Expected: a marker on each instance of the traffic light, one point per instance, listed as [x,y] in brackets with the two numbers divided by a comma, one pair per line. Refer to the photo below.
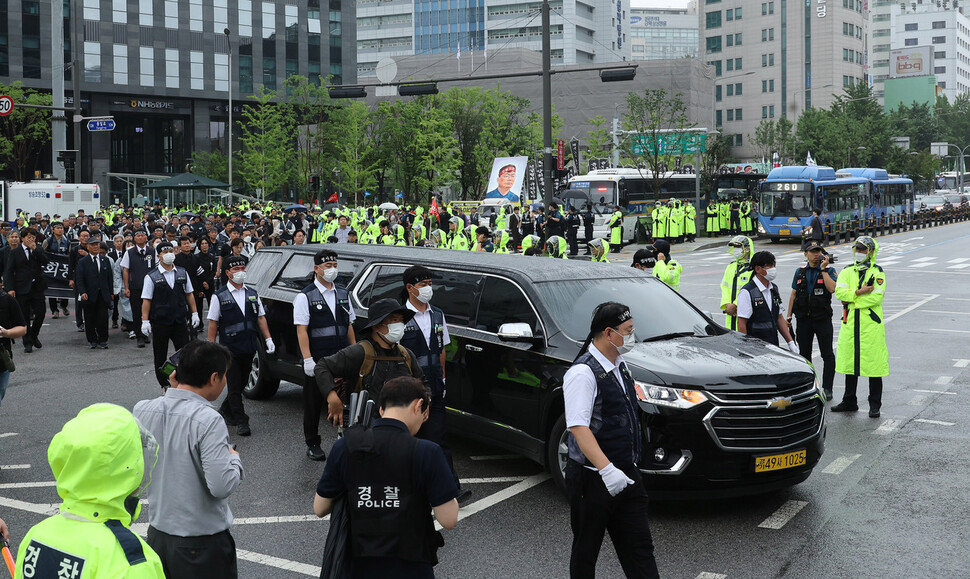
[347,92]
[314,183]
[417,89]
[618,74]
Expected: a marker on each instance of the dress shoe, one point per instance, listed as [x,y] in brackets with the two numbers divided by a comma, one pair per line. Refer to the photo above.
[316,453]
[114,325]
[874,412]
[148,340]
[845,407]
[103,345]
[94,345]
[28,348]
[80,327]
[36,343]
[228,420]
[56,314]
[828,395]
[244,430]
[141,342]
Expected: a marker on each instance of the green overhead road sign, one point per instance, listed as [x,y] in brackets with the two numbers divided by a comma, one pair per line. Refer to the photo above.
[672,143]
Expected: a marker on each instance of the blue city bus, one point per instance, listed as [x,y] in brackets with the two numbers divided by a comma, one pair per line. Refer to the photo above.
[789,194]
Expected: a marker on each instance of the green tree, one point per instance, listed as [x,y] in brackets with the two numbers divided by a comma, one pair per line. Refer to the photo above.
[766,137]
[214,165]
[266,161]
[717,153]
[354,147]
[24,132]
[309,107]
[599,141]
[651,117]
[438,163]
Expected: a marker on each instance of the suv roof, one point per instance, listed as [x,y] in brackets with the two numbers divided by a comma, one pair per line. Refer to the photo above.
[533,268]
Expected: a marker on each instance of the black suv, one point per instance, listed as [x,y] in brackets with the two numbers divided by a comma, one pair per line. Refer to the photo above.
[723,414]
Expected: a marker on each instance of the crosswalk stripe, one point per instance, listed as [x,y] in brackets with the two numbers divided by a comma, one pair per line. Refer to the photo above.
[922,264]
[959,260]
[961,266]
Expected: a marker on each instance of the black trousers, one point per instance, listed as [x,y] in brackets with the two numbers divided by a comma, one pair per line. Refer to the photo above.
[78,309]
[32,306]
[588,230]
[593,512]
[572,239]
[434,430]
[163,333]
[115,309]
[807,329]
[96,314]
[55,303]
[313,405]
[202,557]
[875,391]
[135,301]
[236,378]
[735,223]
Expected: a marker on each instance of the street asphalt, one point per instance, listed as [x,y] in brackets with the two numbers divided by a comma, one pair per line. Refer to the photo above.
[886,500]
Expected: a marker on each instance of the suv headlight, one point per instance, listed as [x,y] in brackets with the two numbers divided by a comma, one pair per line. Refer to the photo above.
[670,397]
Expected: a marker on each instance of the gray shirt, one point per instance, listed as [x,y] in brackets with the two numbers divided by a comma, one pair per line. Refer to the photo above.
[195,473]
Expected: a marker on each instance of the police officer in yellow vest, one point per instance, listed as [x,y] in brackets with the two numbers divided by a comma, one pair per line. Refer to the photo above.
[713,219]
[862,350]
[615,225]
[736,275]
[667,269]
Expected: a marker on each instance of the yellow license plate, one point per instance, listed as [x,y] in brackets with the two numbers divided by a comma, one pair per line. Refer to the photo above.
[784,232]
[779,461]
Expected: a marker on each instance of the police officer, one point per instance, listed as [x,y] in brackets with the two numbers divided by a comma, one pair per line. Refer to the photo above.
[760,312]
[862,350]
[736,275]
[588,221]
[135,265]
[324,319]
[603,483]
[426,335]
[556,247]
[645,259]
[713,220]
[572,231]
[393,482]
[456,239]
[238,317]
[811,304]
[615,225]
[166,292]
[598,249]
[667,269]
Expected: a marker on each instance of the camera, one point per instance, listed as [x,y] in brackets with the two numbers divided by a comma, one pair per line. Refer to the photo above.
[833,259]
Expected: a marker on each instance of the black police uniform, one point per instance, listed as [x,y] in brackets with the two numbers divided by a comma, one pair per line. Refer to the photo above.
[615,424]
[588,220]
[572,232]
[763,322]
[168,315]
[140,262]
[813,313]
[328,335]
[239,332]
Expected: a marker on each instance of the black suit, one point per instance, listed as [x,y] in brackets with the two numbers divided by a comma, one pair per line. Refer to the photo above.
[26,277]
[97,284]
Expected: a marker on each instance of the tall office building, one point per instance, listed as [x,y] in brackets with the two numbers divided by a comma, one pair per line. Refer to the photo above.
[944,35]
[775,58]
[581,31]
[161,68]
[662,33]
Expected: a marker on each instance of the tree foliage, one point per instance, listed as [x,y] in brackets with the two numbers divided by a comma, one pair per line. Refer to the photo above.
[24,132]
[651,117]
[266,161]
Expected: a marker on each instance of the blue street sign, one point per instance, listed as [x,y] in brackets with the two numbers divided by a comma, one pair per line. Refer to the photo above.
[101,125]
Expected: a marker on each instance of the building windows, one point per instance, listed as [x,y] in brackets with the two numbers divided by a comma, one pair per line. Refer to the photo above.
[848,81]
[730,114]
[767,8]
[244,14]
[910,41]
[737,114]
[730,64]
[737,63]
[939,70]
[767,34]
[737,13]
[737,89]
[911,26]
[734,115]
[171,68]
[172,14]
[197,70]
[734,64]
[714,44]
[729,14]
[717,118]
[269,20]
[246,68]
[146,66]
[939,54]
[717,93]
[768,112]
[119,13]
[768,86]
[92,62]
[220,16]
[713,19]
[92,10]
[737,39]
[764,112]
[939,24]
[848,55]
[737,140]
[221,75]
[941,84]
[729,39]
[145,14]
[717,66]
[939,40]
[768,59]
[269,73]
[120,63]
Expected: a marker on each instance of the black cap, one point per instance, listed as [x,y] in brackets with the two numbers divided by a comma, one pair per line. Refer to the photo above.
[416,274]
[235,261]
[663,246]
[324,255]
[644,256]
[380,309]
[813,244]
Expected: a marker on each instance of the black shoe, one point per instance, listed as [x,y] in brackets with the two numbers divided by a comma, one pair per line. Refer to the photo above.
[28,348]
[874,412]
[244,430]
[114,325]
[147,340]
[103,345]
[94,345]
[463,495]
[141,342]
[828,395]
[66,311]
[36,343]
[80,327]
[845,407]
[316,453]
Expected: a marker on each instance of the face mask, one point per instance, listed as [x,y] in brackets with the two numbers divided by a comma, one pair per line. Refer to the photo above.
[239,277]
[394,332]
[861,257]
[425,293]
[737,252]
[247,239]
[168,258]
[330,274]
[628,341]
[770,273]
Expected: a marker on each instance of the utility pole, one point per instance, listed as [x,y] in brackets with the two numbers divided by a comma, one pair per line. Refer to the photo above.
[58,126]
[76,74]
[546,108]
[229,131]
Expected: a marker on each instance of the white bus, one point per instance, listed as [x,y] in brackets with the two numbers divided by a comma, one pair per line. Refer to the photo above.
[632,190]
[49,198]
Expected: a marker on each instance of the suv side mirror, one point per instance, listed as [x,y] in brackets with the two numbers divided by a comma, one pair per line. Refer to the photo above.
[516,332]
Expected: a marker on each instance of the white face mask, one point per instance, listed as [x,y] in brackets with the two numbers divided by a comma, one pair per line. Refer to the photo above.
[239,277]
[628,341]
[770,273]
[861,257]
[247,239]
[737,252]
[330,274]
[394,332]
[168,258]
[425,293]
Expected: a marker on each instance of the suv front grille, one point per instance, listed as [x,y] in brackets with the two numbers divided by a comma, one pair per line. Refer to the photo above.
[754,425]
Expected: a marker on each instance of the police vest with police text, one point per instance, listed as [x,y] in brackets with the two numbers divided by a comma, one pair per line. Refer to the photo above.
[168,303]
[813,302]
[238,331]
[328,335]
[763,322]
[429,357]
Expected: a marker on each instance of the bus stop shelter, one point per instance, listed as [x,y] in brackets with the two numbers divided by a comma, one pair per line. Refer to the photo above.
[190,188]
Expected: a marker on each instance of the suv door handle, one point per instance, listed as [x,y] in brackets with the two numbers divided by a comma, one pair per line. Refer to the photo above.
[471,348]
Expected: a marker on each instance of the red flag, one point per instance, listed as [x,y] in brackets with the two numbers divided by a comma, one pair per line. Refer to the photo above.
[434,208]
[332,198]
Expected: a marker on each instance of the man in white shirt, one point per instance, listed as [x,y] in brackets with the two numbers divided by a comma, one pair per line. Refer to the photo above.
[760,311]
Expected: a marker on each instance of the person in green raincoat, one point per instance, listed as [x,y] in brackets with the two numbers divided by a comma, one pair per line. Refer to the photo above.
[861,350]
[598,250]
[657,221]
[501,238]
[530,241]
[674,219]
[615,225]
[557,247]
[690,222]
[667,269]
[746,225]
[724,215]
[102,462]
[736,275]
[456,236]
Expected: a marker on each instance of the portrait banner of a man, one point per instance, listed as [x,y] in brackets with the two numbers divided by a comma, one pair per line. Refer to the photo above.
[508,175]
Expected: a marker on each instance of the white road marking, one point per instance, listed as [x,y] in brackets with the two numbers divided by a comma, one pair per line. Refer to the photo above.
[953,331]
[285,564]
[496,457]
[936,392]
[958,299]
[961,266]
[959,260]
[39,508]
[913,238]
[507,493]
[785,513]
[918,304]
[840,464]
[961,363]
[270,520]
[917,400]
[937,422]
[6,434]
[947,313]
[922,264]
[942,380]
[14,466]
[494,479]
[887,426]
[924,259]
[28,485]
[707,575]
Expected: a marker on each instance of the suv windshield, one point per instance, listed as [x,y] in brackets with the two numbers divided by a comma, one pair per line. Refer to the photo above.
[656,310]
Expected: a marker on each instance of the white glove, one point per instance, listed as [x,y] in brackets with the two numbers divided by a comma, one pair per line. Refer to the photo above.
[308,366]
[146,328]
[793,347]
[270,346]
[614,479]
[195,320]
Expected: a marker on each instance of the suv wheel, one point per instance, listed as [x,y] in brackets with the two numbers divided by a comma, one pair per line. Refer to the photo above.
[557,452]
[261,384]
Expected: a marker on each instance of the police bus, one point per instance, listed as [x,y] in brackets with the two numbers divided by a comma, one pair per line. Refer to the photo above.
[632,191]
[789,194]
[737,186]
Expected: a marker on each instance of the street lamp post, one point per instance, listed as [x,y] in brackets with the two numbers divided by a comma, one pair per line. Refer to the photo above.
[546,107]
[336,178]
[229,131]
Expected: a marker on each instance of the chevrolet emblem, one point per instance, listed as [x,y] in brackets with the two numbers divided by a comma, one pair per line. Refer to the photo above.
[779,403]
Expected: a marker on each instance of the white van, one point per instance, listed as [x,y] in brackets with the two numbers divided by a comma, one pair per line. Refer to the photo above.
[49,198]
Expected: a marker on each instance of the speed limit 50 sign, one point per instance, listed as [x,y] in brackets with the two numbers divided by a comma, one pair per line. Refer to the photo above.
[6,105]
